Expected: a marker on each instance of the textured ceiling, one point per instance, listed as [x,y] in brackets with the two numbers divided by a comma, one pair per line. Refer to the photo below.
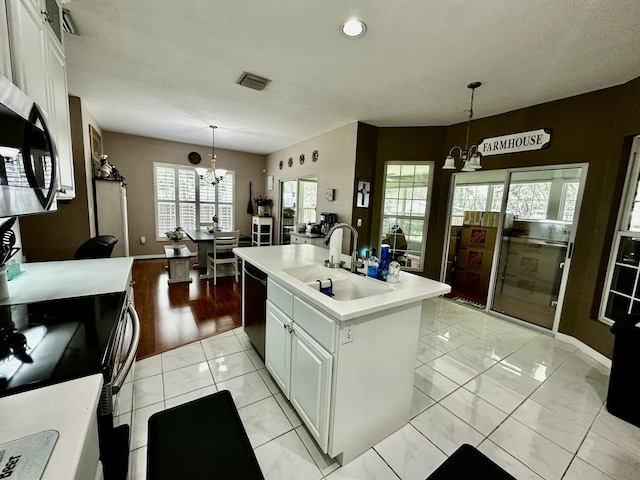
[167,69]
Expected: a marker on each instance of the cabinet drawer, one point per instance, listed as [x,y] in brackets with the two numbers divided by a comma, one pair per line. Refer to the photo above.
[280,297]
[321,327]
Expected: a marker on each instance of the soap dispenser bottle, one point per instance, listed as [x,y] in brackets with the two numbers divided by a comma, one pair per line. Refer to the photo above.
[383,267]
[372,265]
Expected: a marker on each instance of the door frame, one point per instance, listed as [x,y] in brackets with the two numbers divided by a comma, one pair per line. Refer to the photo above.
[508,172]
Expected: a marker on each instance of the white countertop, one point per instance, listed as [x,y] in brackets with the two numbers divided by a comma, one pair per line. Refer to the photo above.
[68,278]
[72,415]
[272,260]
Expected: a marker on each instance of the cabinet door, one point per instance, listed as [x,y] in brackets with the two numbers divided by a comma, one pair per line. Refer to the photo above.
[278,347]
[311,370]
[59,122]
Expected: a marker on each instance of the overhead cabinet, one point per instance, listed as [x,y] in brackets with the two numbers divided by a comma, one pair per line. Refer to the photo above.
[38,67]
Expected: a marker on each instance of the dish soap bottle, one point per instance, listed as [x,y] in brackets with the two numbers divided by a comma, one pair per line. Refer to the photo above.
[383,267]
[372,265]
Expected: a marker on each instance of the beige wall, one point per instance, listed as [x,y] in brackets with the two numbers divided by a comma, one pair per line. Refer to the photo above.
[335,169]
[134,157]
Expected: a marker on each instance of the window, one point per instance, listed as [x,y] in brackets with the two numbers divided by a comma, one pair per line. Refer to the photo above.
[405,211]
[477,198]
[621,293]
[529,200]
[308,198]
[184,200]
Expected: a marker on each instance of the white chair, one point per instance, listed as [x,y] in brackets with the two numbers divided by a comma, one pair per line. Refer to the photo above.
[223,244]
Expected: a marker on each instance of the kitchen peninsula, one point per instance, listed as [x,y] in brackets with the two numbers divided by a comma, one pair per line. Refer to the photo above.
[345,358]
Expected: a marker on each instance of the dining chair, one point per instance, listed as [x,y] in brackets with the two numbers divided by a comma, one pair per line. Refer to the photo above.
[223,244]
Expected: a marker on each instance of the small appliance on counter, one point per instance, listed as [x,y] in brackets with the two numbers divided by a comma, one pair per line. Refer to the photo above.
[327,220]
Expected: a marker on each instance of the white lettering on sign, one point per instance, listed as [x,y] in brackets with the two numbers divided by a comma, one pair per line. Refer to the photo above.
[515,142]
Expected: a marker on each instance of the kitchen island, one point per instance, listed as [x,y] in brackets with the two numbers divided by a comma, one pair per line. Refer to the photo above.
[346,362]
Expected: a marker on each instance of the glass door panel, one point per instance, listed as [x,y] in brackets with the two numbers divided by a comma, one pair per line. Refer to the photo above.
[288,209]
[537,235]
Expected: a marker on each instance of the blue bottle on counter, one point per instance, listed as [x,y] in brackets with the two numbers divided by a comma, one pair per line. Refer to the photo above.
[383,268]
[372,265]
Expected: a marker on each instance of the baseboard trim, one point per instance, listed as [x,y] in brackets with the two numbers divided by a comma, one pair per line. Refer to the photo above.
[596,355]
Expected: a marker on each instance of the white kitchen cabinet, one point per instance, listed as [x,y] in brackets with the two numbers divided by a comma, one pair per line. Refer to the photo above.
[111,214]
[261,231]
[38,67]
[5,53]
[278,347]
[304,239]
[310,386]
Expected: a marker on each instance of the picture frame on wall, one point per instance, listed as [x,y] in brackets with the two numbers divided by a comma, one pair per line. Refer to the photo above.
[95,141]
[363,194]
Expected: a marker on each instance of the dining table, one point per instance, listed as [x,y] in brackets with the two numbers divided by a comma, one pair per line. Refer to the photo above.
[204,242]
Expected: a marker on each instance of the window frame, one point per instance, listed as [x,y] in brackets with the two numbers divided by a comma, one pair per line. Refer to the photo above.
[425,217]
[623,231]
[200,223]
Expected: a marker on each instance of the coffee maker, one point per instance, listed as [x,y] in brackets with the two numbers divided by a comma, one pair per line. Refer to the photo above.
[327,220]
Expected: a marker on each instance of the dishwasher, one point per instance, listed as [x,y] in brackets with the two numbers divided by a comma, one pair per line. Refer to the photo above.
[254,305]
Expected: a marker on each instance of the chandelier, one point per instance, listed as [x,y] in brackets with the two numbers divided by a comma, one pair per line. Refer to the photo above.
[211,175]
[469,155]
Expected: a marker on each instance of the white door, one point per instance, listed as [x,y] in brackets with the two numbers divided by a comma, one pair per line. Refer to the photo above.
[278,347]
[311,368]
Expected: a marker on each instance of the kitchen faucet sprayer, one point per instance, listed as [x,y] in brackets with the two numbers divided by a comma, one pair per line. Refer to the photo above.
[355,263]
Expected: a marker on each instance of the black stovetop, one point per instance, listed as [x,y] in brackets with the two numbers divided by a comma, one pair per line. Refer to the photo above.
[53,341]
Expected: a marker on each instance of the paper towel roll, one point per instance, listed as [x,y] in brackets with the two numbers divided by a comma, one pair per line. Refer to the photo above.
[335,246]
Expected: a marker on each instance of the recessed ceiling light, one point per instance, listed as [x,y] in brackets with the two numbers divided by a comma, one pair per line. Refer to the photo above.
[353,28]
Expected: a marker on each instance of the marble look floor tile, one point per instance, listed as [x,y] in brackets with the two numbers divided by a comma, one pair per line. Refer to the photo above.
[218,346]
[426,353]
[286,458]
[263,421]
[188,397]
[570,398]
[187,379]
[432,383]
[581,470]
[138,464]
[618,431]
[509,463]
[532,363]
[455,336]
[439,342]
[288,410]
[445,430]
[609,458]
[244,340]
[537,452]
[496,394]
[268,379]
[147,391]
[125,397]
[367,466]
[512,377]
[139,423]
[420,402]
[453,369]
[255,359]
[325,463]
[475,411]
[148,367]
[229,366]
[489,348]
[182,357]
[472,359]
[124,419]
[410,454]
[246,389]
[551,425]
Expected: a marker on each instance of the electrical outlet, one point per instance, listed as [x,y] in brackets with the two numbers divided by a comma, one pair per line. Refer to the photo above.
[359,223]
[347,334]
[143,240]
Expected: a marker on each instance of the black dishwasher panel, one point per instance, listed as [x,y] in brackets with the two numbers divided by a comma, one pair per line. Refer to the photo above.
[255,306]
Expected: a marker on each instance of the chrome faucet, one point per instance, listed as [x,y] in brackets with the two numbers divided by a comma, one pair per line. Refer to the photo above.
[355,262]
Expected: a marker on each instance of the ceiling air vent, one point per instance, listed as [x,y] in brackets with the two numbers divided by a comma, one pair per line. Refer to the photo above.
[252,81]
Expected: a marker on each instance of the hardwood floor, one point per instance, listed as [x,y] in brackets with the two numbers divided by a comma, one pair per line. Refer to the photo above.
[181,313]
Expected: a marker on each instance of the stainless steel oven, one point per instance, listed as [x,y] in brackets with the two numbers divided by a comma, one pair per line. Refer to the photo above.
[48,342]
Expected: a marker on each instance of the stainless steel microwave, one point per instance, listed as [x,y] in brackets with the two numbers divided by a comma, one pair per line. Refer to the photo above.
[28,169]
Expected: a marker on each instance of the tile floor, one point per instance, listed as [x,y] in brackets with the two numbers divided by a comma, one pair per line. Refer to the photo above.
[533,404]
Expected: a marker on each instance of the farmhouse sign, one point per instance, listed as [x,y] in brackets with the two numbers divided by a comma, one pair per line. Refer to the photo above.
[515,142]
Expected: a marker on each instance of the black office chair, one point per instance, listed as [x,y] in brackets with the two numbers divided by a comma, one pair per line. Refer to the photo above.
[96,247]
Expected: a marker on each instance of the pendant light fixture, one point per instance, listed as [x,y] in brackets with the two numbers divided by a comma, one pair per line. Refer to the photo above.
[212,175]
[469,155]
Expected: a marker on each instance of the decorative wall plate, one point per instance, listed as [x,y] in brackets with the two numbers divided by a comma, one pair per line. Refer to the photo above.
[194,157]
[314,156]
[280,164]
[302,159]
[290,162]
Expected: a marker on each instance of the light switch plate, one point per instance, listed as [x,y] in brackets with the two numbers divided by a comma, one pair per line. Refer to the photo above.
[331,194]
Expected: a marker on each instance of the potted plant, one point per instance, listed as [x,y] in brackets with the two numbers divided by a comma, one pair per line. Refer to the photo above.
[175,236]
[262,203]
